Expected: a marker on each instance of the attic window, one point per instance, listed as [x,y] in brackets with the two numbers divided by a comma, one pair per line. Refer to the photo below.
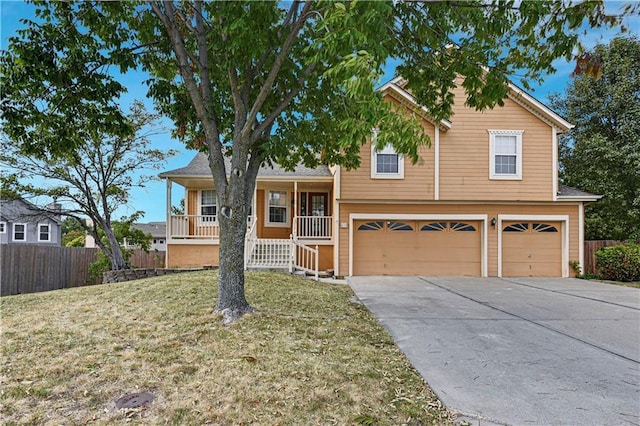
[505,154]
[386,163]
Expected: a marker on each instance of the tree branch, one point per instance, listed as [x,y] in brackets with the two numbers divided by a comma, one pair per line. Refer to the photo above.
[275,68]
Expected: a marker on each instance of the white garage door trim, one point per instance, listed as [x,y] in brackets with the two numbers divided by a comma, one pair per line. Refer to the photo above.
[548,218]
[382,216]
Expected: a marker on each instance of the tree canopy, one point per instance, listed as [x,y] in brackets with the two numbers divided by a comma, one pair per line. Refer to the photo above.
[602,153]
[283,82]
[93,180]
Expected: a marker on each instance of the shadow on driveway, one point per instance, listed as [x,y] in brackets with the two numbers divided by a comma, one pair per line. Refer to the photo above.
[521,351]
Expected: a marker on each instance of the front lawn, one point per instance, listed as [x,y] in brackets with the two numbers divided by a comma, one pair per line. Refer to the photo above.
[310,356]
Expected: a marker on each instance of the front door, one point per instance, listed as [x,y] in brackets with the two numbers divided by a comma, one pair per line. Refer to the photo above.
[313,205]
[319,204]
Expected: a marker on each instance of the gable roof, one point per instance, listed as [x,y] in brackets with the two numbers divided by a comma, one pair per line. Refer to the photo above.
[199,168]
[515,93]
[18,208]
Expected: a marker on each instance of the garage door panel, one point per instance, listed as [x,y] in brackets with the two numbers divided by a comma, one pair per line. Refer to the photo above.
[402,248]
[531,249]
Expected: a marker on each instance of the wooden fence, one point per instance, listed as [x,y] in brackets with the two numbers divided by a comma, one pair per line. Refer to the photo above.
[590,249]
[29,268]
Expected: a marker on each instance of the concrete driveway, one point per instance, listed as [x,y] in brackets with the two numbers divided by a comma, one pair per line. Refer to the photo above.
[517,351]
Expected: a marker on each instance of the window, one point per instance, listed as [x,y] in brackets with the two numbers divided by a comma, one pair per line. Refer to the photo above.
[19,232]
[3,227]
[434,227]
[399,226]
[371,226]
[277,214]
[386,164]
[44,232]
[544,227]
[461,227]
[505,154]
[208,207]
[517,227]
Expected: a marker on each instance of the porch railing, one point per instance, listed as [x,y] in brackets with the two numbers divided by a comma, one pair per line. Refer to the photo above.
[313,227]
[193,226]
[200,226]
[286,254]
[269,253]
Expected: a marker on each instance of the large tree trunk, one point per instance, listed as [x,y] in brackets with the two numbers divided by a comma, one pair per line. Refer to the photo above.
[232,303]
[115,253]
[233,202]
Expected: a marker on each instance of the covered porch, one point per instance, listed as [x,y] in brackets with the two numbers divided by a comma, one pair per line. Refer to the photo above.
[280,210]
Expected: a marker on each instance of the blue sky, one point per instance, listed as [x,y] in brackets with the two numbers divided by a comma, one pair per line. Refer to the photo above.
[151,199]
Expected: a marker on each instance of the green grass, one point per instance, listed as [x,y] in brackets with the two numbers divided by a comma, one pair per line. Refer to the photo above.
[308,356]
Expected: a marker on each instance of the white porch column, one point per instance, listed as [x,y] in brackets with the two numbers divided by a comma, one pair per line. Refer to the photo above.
[295,198]
[169,231]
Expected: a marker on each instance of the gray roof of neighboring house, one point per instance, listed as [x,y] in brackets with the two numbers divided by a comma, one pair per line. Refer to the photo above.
[156,229]
[199,166]
[20,209]
[567,191]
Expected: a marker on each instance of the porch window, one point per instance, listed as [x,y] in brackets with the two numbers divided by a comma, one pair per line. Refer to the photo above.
[44,232]
[208,207]
[278,210]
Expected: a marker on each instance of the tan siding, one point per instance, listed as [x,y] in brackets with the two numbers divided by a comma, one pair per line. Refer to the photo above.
[464,161]
[186,255]
[418,182]
[192,202]
[464,155]
[490,210]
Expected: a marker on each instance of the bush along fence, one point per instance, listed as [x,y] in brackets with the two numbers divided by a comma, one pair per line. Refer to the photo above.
[590,249]
[30,268]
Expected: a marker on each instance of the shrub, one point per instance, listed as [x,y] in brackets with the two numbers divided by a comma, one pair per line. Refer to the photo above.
[619,263]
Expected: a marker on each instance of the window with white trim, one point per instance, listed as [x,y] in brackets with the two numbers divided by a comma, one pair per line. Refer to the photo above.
[386,163]
[277,208]
[505,154]
[19,232]
[44,232]
[208,205]
[3,227]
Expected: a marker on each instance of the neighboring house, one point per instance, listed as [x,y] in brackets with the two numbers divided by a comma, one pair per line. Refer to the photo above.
[23,223]
[158,231]
[483,200]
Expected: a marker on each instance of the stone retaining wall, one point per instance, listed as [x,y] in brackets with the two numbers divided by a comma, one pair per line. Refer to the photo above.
[136,274]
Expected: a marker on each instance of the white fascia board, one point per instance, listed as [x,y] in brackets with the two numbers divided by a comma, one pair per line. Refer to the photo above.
[444,124]
[574,198]
[521,95]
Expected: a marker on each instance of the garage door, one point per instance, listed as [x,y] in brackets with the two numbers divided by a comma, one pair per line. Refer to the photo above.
[396,247]
[531,249]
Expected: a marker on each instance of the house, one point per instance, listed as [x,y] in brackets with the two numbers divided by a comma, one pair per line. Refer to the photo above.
[158,232]
[21,222]
[483,200]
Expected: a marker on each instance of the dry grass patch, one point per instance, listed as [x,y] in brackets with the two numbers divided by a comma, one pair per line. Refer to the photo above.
[309,356]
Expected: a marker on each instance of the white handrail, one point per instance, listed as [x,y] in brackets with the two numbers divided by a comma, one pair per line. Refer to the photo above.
[305,258]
